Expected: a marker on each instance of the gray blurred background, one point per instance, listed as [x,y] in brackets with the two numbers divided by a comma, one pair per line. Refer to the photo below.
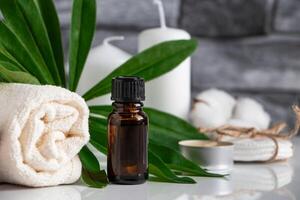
[247,47]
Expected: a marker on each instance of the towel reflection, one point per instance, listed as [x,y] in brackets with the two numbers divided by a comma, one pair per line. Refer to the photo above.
[11,192]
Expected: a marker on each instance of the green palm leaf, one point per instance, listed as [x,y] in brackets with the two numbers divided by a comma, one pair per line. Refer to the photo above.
[10,44]
[34,19]
[82,32]
[6,57]
[10,73]
[51,22]
[162,172]
[149,64]
[18,26]
[92,175]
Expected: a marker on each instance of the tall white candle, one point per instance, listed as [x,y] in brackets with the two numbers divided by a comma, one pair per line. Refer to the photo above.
[102,60]
[172,91]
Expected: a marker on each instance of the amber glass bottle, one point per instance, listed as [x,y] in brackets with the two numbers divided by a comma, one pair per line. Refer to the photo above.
[127,158]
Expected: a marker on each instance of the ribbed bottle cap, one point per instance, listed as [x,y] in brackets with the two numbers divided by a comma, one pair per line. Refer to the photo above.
[128,89]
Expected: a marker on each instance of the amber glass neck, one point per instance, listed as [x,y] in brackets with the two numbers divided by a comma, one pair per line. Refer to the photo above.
[127,107]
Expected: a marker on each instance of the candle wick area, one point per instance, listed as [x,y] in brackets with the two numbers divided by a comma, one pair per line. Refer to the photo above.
[162,16]
[112,38]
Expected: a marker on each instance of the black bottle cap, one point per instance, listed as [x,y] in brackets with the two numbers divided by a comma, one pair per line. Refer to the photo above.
[128,89]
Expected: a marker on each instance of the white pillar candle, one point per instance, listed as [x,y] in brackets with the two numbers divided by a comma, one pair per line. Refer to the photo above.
[171,92]
[101,61]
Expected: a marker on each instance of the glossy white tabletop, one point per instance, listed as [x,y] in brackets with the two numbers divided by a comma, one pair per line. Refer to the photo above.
[247,182]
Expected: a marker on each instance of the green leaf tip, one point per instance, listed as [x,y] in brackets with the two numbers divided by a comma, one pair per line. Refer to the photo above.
[149,64]
[82,32]
[92,175]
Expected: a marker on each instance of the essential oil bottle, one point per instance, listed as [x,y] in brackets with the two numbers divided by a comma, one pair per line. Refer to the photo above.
[127,158]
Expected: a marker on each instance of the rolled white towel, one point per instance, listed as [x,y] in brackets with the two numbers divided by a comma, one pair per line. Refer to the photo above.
[214,109]
[252,112]
[42,130]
